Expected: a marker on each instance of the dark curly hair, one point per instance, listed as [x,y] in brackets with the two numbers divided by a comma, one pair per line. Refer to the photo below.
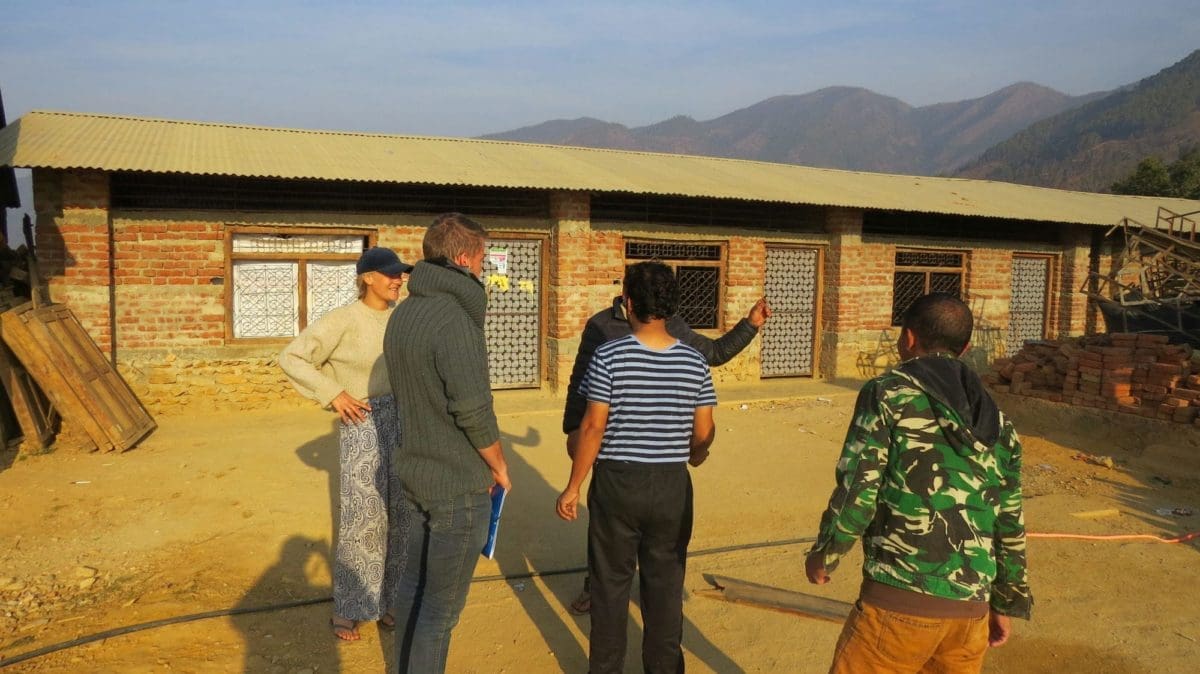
[652,289]
[940,322]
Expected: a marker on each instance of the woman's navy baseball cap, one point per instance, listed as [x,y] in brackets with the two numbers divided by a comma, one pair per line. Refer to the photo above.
[382,260]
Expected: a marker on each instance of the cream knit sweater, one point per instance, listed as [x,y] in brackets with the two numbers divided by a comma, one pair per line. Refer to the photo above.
[342,351]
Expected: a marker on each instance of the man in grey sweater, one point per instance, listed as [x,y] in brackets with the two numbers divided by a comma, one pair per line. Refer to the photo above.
[450,457]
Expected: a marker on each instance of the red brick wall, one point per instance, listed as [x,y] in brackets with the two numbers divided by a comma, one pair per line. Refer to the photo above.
[165,294]
[988,287]
[168,320]
[857,306]
[171,316]
[1073,306]
[72,240]
[583,263]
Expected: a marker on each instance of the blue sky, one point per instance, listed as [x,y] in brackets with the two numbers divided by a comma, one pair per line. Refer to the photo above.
[470,68]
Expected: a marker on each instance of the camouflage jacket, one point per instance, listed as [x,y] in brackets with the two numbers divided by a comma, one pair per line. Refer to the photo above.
[930,479]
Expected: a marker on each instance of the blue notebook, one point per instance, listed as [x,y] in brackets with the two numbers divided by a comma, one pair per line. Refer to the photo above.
[489,548]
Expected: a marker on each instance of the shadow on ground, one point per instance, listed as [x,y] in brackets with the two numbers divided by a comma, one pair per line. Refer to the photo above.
[528,549]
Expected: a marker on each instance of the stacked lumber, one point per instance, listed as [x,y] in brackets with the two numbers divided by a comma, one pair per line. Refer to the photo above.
[1134,373]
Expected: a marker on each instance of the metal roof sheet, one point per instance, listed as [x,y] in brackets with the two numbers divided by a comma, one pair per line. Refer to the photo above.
[66,140]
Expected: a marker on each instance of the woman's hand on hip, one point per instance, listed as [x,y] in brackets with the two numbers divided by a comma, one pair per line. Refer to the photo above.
[351,410]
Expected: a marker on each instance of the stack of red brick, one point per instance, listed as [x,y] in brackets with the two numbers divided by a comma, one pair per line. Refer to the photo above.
[1123,372]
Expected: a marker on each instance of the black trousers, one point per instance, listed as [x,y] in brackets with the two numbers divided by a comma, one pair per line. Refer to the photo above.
[640,518]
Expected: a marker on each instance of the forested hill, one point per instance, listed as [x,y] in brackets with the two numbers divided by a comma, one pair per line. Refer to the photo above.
[1090,147]
[836,127]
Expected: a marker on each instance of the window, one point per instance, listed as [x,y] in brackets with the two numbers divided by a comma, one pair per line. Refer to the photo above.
[919,272]
[697,267]
[284,280]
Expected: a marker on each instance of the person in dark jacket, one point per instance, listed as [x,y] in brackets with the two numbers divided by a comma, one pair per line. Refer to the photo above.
[611,324]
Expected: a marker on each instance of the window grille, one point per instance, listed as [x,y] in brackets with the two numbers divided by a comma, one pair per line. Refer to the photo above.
[512,272]
[926,258]
[1028,307]
[698,269]
[283,282]
[699,290]
[644,250]
[792,276]
[920,272]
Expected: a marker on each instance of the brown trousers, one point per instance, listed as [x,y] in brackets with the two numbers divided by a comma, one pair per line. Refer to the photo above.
[885,642]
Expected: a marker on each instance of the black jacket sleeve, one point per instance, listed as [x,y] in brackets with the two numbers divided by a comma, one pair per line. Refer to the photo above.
[593,337]
[716,351]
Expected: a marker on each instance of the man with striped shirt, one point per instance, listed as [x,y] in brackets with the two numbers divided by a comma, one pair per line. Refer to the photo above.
[649,414]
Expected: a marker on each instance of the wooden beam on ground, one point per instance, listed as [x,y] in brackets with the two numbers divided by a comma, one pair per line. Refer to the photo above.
[765,596]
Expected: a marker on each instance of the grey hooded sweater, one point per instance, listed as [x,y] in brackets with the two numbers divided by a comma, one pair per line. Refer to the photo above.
[437,363]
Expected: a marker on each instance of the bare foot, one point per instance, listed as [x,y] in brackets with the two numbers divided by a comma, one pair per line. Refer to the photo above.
[344,629]
[582,604]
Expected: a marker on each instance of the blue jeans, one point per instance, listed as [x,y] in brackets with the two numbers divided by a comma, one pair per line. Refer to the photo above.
[444,544]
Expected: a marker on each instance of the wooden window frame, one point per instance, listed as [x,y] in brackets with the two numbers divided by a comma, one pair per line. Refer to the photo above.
[301,260]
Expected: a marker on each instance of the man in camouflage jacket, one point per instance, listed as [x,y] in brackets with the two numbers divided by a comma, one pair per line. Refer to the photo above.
[930,479]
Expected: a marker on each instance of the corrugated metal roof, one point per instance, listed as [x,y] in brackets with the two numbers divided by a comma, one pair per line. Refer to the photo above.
[64,140]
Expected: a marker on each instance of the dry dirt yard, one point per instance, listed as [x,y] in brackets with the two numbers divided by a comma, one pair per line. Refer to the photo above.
[233,511]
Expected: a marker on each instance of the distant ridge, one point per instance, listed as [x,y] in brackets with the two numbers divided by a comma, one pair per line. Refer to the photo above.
[836,127]
[1090,147]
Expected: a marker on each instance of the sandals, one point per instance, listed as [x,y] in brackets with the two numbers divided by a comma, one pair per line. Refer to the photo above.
[387,623]
[344,629]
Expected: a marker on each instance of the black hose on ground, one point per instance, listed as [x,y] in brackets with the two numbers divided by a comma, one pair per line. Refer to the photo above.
[129,629]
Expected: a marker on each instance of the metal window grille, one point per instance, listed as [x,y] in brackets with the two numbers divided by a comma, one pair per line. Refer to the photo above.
[645,250]
[512,273]
[699,292]
[919,272]
[697,268]
[329,285]
[789,338]
[259,242]
[926,258]
[1027,310]
[278,290]
[264,299]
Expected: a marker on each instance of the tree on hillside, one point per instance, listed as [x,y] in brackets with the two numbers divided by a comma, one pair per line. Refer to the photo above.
[1152,178]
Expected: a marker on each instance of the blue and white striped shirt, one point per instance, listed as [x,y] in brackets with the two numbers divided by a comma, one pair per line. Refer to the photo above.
[652,398]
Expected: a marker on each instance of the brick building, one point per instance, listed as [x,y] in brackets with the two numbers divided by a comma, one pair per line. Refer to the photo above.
[193,252]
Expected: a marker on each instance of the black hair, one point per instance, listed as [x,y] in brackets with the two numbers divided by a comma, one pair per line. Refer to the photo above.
[940,322]
[652,289]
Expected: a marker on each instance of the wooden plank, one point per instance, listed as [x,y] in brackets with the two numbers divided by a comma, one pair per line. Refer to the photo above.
[36,417]
[765,596]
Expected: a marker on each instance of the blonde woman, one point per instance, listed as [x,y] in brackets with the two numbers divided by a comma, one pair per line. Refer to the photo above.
[338,361]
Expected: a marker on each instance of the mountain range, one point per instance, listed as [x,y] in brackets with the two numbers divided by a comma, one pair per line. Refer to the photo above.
[1024,133]
[1093,145]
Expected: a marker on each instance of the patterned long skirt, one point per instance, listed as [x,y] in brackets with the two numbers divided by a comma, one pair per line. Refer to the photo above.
[369,553]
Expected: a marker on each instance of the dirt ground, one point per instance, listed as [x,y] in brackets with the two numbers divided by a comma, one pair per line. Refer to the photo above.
[233,511]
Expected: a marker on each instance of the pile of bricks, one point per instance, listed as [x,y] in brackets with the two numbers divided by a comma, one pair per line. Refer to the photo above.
[1124,372]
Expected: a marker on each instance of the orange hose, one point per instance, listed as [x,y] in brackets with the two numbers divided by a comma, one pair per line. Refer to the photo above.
[1117,537]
